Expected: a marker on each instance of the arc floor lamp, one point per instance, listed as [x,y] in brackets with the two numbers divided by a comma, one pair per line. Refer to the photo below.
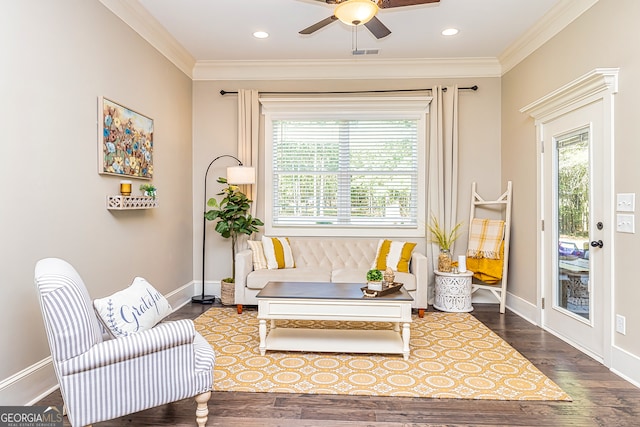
[235,175]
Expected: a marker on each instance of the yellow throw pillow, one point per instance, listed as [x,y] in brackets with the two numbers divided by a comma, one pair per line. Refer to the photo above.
[257,255]
[395,255]
[277,251]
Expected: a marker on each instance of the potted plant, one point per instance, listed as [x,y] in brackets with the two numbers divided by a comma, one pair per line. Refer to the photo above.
[233,219]
[149,190]
[444,239]
[374,280]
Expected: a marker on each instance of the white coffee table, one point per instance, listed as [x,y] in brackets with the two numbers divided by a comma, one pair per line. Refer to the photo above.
[338,302]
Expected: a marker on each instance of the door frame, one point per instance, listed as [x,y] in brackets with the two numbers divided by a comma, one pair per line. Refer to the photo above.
[598,85]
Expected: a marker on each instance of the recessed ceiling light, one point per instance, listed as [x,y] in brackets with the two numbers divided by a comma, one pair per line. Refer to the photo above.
[260,34]
[450,32]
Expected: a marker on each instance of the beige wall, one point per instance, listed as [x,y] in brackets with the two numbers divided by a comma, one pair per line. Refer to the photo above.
[57,58]
[604,36]
[215,133]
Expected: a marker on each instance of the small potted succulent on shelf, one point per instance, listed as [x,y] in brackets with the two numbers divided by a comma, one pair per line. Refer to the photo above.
[374,280]
[149,190]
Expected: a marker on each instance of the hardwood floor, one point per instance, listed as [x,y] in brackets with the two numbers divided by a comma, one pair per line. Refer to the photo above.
[600,398]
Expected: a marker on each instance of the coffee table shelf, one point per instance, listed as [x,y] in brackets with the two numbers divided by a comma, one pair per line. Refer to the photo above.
[335,302]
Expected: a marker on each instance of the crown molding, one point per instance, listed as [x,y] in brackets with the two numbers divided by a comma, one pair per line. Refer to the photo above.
[584,87]
[347,69]
[132,13]
[554,21]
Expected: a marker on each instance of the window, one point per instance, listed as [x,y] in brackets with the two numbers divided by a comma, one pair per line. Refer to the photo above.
[345,166]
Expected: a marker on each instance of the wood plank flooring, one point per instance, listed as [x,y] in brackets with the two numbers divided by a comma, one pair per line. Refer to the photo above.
[600,398]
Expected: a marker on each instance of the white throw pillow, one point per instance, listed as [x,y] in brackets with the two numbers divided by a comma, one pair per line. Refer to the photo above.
[257,255]
[277,252]
[134,309]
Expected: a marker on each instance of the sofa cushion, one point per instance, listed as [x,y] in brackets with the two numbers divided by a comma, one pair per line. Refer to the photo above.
[257,255]
[258,279]
[393,254]
[278,253]
[349,275]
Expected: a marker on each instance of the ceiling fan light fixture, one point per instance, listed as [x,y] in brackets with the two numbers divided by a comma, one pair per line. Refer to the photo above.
[356,12]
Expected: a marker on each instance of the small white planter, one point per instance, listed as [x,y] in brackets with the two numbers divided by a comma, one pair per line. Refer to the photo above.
[374,286]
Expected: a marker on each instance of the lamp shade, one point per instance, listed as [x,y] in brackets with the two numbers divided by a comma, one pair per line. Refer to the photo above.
[241,175]
[356,12]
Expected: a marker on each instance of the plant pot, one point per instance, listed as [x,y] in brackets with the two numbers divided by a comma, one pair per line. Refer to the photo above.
[444,261]
[374,286]
[227,292]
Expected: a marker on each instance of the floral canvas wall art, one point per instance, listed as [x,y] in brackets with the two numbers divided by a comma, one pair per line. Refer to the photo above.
[125,141]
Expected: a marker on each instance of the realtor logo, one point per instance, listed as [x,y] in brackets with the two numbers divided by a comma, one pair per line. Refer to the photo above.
[30,416]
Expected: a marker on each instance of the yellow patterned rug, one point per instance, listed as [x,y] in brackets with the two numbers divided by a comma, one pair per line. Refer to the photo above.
[453,355]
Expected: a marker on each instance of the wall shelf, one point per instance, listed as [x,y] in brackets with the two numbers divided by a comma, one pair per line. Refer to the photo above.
[119,203]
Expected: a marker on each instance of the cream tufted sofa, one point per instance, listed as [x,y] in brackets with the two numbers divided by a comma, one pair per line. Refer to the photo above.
[338,260]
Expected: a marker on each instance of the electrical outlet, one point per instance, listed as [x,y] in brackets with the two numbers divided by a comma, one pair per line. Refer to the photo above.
[621,324]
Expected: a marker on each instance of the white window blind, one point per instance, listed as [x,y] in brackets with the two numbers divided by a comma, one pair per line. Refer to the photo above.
[345,166]
[345,172]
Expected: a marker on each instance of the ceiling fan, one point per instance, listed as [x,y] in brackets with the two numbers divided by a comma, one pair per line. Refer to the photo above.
[362,12]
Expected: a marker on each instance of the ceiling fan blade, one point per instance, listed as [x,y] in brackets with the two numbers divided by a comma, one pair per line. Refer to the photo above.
[386,4]
[315,27]
[377,28]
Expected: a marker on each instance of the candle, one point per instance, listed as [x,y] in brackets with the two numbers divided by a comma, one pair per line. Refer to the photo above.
[462,263]
[125,188]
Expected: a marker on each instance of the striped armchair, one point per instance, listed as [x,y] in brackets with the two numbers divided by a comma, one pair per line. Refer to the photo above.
[105,379]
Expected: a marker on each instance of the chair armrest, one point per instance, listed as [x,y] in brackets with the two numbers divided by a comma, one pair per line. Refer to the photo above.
[161,337]
[420,268]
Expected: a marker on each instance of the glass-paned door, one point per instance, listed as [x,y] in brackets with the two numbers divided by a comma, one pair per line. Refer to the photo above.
[573,200]
[574,211]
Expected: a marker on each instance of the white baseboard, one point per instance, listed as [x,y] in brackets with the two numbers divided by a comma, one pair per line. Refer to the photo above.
[29,385]
[523,308]
[625,365]
[33,383]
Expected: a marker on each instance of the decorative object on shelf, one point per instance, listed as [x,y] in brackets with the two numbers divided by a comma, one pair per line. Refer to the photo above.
[374,280]
[125,141]
[149,190]
[444,239]
[120,203]
[389,276]
[235,175]
[125,187]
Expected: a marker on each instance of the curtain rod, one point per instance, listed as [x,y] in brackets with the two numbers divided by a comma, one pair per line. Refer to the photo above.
[227,92]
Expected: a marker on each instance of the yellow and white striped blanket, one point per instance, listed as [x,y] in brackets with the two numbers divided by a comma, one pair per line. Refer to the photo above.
[485,237]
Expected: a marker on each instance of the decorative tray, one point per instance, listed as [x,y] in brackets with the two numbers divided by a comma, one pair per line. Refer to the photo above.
[386,289]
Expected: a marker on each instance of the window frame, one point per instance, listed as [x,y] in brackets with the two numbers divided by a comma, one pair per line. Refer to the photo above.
[330,108]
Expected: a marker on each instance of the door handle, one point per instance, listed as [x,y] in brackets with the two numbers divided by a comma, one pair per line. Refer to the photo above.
[597,243]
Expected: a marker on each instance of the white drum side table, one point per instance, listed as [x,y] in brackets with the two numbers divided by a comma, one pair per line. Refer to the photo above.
[453,291]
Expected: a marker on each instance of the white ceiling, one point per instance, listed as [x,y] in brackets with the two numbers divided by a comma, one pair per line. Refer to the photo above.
[221,30]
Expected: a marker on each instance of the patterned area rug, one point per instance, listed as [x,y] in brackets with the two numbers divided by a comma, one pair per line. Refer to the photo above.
[453,355]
